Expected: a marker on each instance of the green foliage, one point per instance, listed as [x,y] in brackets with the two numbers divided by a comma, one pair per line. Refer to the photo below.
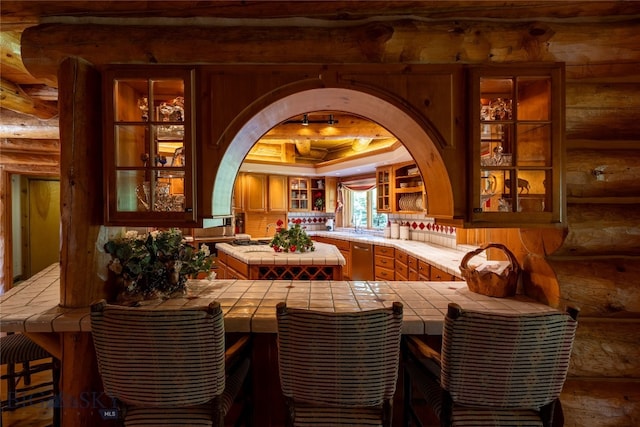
[292,239]
[158,263]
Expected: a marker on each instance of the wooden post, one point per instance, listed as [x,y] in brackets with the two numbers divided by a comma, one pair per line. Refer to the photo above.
[80,182]
[5,232]
[81,218]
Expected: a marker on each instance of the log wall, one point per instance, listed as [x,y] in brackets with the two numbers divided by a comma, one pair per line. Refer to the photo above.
[593,263]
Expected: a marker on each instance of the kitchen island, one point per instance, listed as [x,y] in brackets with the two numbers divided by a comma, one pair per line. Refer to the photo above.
[260,262]
[249,307]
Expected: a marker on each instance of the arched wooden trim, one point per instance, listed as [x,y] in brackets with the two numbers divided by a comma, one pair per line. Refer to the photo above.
[414,137]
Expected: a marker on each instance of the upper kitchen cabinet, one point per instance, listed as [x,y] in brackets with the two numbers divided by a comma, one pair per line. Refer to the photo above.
[517,150]
[383,189]
[148,147]
[278,201]
[299,194]
[408,190]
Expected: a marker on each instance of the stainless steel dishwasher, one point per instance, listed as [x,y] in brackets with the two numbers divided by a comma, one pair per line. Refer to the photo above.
[361,261]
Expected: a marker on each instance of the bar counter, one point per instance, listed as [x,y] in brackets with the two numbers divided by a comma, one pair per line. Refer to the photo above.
[249,305]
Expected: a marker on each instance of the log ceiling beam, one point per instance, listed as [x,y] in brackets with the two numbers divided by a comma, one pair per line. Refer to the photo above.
[14,125]
[13,98]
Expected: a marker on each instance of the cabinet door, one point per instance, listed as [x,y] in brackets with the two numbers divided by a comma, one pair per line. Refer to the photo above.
[299,194]
[238,194]
[384,190]
[255,197]
[331,193]
[148,148]
[517,156]
[277,190]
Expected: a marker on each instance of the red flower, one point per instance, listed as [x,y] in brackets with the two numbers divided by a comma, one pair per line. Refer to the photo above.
[292,248]
[297,221]
[279,223]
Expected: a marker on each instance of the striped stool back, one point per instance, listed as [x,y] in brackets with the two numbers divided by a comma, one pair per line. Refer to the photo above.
[339,360]
[505,361]
[160,358]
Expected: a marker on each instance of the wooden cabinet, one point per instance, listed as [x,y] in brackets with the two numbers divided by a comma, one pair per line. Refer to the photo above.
[517,156]
[255,192]
[384,260]
[384,189]
[148,147]
[401,266]
[424,270]
[412,266]
[299,199]
[278,191]
[408,189]
[331,194]
[344,246]
[438,275]
[238,194]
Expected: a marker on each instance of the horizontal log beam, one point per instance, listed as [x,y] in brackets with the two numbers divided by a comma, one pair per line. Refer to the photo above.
[600,402]
[617,359]
[388,41]
[601,230]
[603,173]
[602,287]
[13,98]
[15,125]
[29,145]
[17,12]
[35,159]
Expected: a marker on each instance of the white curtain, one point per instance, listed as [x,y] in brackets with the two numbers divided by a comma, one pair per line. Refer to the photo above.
[356,184]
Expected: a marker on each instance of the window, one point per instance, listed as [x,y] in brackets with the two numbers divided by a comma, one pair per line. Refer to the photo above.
[361,210]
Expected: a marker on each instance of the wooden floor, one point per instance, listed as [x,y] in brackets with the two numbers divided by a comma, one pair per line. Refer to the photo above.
[38,415]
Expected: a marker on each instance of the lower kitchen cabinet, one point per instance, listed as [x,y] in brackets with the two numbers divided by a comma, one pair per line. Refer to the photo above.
[384,260]
[400,266]
[344,247]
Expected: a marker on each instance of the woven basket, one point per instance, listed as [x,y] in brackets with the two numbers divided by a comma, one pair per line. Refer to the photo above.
[488,282]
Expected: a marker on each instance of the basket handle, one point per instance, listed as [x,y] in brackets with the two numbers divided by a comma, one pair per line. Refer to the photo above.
[503,248]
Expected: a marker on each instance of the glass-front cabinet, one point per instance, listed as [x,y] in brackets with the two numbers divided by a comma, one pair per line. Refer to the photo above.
[383,189]
[148,150]
[299,194]
[517,152]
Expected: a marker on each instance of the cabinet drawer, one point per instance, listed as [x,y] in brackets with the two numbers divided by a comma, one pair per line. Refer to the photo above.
[384,251]
[401,256]
[402,271]
[412,263]
[424,270]
[384,261]
[440,275]
[384,273]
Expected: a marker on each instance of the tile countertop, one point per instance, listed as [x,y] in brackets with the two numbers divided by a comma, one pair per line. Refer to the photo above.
[323,254]
[446,259]
[249,305]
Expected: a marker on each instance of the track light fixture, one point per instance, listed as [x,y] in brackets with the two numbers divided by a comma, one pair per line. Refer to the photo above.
[305,121]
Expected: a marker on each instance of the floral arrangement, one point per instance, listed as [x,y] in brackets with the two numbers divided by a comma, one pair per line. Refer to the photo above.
[157,264]
[294,239]
[319,200]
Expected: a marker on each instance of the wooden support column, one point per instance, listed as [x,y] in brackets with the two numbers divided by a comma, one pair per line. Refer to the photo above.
[6,267]
[81,391]
[80,182]
[81,218]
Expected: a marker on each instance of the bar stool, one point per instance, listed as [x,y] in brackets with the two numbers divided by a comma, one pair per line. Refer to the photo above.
[17,349]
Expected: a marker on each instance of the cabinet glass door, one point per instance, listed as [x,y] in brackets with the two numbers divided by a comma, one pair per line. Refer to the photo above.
[517,155]
[149,154]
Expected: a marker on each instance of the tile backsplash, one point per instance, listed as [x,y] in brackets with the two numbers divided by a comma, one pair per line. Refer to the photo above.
[424,229]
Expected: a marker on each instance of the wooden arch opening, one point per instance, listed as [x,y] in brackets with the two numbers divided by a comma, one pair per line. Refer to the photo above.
[417,140]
